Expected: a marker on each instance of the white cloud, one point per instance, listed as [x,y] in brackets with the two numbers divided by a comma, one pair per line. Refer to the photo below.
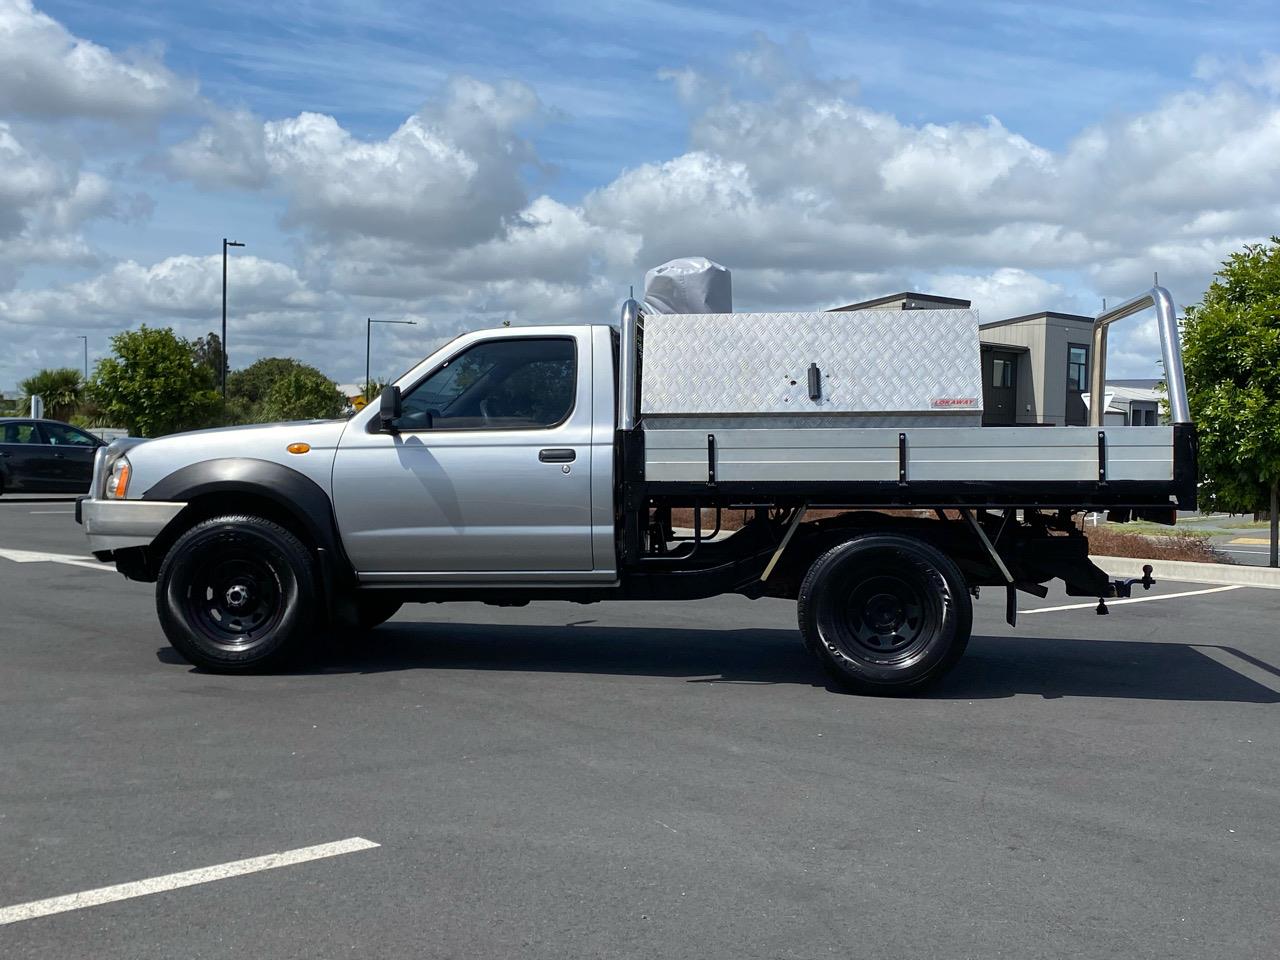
[1007,292]
[177,288]
[272,311]
[26,180]
[45,71]
[45,201]
[229,152]
[546,241]
[448,176]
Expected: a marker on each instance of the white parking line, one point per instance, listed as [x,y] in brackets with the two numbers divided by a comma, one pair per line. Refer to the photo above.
[70,559]
[173,881]
[1163,596]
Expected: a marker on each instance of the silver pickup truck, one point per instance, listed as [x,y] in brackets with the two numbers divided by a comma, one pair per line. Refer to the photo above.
[667,457]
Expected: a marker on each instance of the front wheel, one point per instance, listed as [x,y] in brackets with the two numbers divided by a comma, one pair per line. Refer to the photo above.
[885,614]
[237,594]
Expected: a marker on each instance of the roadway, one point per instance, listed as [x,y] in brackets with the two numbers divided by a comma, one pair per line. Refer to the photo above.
[633,780]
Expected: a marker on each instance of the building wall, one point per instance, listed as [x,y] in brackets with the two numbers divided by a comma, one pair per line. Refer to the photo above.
[1058,334]
[1030,377]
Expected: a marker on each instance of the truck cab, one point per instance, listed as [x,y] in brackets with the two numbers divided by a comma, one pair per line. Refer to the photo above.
[499,464]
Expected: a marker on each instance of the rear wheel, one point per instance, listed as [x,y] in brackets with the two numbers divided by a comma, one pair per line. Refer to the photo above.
[237,594]
[885,614]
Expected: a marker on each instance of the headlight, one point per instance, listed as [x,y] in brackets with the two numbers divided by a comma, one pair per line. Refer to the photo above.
[118,482]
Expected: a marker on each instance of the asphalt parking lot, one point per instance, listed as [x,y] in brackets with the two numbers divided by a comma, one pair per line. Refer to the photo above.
[634,780]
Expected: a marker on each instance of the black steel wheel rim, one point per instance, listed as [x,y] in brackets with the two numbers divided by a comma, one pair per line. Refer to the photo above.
[886,614]
[889,617]
[234,598]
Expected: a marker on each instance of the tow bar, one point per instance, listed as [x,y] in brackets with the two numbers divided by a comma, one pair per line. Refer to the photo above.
[1122,588]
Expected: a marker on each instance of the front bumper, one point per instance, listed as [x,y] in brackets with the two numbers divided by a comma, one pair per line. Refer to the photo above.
[117,524]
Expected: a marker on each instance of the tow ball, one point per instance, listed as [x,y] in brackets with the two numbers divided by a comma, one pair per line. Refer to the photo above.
[1122,588]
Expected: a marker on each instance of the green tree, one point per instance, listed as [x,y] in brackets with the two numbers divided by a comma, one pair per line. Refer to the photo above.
[303,394]
[208,351]
[1231,352]
[153,385]
[248,391]
[62,391]
[252,384]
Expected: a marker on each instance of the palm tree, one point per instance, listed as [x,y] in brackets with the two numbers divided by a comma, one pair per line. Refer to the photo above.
[62,390]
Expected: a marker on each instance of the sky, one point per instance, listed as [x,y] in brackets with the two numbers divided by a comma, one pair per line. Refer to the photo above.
[463,165]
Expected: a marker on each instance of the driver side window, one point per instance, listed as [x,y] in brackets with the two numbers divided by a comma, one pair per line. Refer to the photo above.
[525,383]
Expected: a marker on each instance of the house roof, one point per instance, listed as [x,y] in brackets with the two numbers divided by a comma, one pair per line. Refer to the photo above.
[1119,396]
[1148,383]
[1129,394]
[929,299]
[1042,315]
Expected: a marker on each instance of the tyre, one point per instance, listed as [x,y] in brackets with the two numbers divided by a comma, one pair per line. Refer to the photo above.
[238,594]
[373,610]
[886,614]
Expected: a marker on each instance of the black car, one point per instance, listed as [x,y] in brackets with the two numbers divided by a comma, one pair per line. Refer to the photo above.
[45,456]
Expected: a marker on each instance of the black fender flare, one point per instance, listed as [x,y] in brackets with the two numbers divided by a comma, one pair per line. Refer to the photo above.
[295,493]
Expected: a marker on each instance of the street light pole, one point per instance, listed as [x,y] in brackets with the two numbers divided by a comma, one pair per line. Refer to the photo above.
[222,371]
[368,339]
[86,356]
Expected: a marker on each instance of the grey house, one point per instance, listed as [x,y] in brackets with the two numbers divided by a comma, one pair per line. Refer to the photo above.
[1035,369]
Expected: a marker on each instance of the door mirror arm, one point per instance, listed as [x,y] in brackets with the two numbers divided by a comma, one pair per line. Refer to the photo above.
[390,408]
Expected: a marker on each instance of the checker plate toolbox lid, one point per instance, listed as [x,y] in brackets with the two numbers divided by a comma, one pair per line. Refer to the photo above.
[854,368]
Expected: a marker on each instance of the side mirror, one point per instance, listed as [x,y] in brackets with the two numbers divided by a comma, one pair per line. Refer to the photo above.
[389,408]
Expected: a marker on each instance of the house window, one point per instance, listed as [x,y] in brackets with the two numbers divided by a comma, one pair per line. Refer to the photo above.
[1001,373]
[1077,368]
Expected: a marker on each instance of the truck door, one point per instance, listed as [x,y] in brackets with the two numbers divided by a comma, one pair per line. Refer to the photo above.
[488,473]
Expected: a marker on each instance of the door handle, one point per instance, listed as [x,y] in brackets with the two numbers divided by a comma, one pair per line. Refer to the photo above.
[557,455]
[60,456]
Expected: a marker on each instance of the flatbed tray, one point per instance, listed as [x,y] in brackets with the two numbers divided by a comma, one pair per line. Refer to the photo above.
[1067,466]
